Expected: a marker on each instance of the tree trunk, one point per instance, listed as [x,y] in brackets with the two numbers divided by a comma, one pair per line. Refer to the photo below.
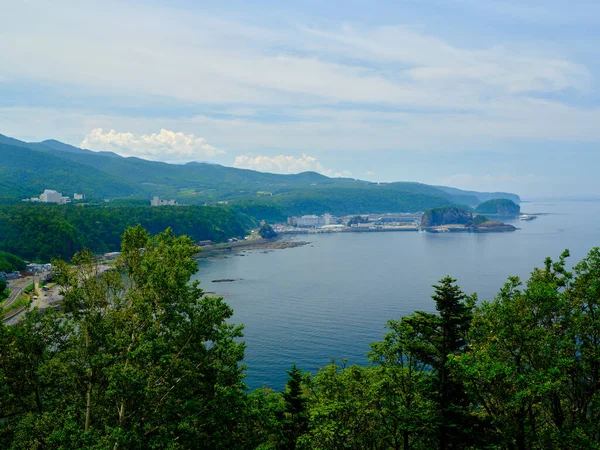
[88,406]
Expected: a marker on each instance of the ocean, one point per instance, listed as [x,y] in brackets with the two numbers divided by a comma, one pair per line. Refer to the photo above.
[330,299]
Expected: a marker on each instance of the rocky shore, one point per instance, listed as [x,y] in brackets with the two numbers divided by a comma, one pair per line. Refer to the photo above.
[216,250]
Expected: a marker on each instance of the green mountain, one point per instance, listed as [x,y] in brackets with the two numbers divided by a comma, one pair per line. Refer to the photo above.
[480,196]
[26,169]
[500,207]
[26,173]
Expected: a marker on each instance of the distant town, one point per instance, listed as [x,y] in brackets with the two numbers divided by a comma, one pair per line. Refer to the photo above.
[361,222]
[52,196]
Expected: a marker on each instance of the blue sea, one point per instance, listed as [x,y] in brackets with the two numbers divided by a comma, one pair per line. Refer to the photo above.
[331,298]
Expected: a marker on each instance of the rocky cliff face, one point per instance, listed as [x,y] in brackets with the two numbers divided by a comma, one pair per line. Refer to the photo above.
[447,215]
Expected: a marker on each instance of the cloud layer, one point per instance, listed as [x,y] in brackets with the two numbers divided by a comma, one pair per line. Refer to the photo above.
[165,146]
[286,164]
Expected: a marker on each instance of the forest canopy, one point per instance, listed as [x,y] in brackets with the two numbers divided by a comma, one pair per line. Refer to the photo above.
[159,365]
[42,232]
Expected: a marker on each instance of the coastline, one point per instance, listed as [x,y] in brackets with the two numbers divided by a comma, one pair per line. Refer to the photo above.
[278,243]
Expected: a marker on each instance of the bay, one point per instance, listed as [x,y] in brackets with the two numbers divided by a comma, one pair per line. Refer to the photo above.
[332,298]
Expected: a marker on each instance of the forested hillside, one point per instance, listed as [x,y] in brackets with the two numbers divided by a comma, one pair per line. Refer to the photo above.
[501,207]
[26,173]
[26,169]
[158,365]
[42,232]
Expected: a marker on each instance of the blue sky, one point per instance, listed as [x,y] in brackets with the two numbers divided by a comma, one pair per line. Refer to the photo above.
[477,94]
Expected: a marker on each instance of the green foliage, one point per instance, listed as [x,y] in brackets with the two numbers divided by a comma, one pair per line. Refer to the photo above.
[20,303]
[52,164]
[534,358]
[446,215]
[295,419]
[42,232]
[10,262]
[343,409]
[478,220]
[29,172]
[29,289]
[501,207]
[356,198]
[155,365]
[138,357]
[266,231]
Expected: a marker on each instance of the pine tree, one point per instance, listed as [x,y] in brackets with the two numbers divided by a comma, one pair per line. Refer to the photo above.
[295,409]
[441,337]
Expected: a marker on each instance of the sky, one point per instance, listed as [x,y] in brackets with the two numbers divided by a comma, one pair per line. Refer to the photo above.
[476,94]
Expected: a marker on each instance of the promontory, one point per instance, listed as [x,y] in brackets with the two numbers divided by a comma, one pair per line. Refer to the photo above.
[499,207]
[454,218]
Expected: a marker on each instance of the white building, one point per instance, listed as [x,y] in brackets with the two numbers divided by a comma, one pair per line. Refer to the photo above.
[51,196]
[77,196]
[156,201]
[312,220]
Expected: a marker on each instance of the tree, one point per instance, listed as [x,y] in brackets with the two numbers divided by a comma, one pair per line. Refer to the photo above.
[343,409]
[533,363]
[295,418]
[403,383]
[138,357]
[266,231]
[438,338]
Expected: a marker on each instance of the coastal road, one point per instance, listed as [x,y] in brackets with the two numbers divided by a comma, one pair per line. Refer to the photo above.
[16,289]
[45,299]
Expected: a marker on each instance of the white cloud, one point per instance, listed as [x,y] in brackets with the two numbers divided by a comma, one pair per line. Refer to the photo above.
[191,57]
[164,146]
[408,88]
[286,164]
[369,173]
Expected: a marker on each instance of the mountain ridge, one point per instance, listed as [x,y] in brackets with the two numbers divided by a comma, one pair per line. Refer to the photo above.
[62,166]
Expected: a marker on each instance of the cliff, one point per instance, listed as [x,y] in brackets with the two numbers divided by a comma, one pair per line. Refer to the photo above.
[500,207]
[446,215]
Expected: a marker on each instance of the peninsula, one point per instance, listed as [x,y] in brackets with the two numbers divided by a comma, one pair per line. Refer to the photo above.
[455,219]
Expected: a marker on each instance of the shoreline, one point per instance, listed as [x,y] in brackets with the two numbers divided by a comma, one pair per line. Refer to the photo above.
[277,243]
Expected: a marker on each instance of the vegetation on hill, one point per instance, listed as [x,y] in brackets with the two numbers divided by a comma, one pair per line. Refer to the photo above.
[501,207]
[479,220]
[158,365]
[33,167]
[41,232]
[447,215]
[342,201]
[480,196]
[26,173]
[10,262]
[266,231]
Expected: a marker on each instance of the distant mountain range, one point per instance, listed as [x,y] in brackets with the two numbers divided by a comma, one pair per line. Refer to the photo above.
[27,168]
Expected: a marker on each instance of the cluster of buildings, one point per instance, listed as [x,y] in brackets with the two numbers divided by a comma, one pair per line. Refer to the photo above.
[43,270]
[327,220]
[312,221]
[157,201]
[52,196]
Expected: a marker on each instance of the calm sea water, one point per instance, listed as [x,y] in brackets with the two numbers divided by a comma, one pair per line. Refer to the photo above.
[330,299]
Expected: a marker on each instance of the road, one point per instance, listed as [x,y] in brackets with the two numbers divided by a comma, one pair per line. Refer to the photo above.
[16,289]
[45,299]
